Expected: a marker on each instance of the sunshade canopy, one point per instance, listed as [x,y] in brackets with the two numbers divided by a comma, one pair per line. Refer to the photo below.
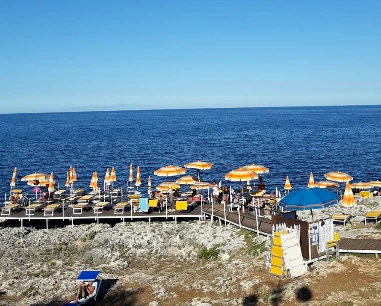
[361,185]
[306,199]
[170,170]
[375,183]
[186,180]
[256,168]
[200,165]
[35,177]
[338,176]
[239,175]
[326,184]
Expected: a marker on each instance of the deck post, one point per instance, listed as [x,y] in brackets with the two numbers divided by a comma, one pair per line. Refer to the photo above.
[239,216]
[219,221]
[47,223]
[22,226]
[131,208]
[123,220]
[225,212]
[201,207]
[166,207]
[149,220]
[72,222]
[256,220]
[175,219]
[211,219]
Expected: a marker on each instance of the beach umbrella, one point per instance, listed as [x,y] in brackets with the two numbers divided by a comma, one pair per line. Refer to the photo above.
[13,181]
[348,198]
[167,186]
[95,184]
[311,183]
[338,177]
[107,178]
[170,171]
[308,199]
[40,183]
[51,183]
[200,185]
[34,177]
[131,178]
[257,168]
[92,181]
[112,175]
[186,180]
[199,165]
[361,186]
[287,184]
[149,182]
[326,184]
[67,183]
[375,183]
[138,181]
[241,175]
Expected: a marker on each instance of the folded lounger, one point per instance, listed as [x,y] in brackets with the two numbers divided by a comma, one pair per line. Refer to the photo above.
[88,276]
[120,207]
[344,218]
[372,216]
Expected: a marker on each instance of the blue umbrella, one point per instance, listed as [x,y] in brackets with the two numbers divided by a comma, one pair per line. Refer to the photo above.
[308,199]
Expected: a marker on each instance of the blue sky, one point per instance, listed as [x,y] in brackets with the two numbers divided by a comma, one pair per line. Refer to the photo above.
[100,55]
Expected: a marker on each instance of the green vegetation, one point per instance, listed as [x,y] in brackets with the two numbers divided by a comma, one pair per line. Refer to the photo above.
[252,248]
[378,225]
[207,254]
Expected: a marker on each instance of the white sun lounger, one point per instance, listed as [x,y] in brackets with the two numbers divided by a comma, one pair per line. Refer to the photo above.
[6,211]
[51,208]
[120,207]
[98,208]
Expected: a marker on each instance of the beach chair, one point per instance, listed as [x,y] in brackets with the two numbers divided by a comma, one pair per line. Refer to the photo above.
[143,205]
[153,203]
[372,216]
[98,208]
[80,207]
[366,194]
[120,207]
[31,209]
[341,218]
[6,211]
[88,276]
[51,208]
[182,206]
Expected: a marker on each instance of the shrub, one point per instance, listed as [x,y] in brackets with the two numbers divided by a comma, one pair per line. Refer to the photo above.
[206,253]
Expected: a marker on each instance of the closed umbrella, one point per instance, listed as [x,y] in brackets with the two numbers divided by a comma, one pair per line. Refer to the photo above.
[138,180]
[113,175]
[311,182]
[348,197]
[13,181]
[67,183]
[107,179]
[51,183]
[287,184]
[131,178]
[149,184]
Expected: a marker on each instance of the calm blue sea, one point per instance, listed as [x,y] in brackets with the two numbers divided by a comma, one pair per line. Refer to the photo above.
[290,141]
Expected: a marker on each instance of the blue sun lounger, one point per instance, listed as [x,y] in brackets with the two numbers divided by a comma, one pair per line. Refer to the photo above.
[88,276]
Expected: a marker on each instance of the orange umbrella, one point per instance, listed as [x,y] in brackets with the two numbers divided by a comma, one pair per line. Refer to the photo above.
[131,178]
[92,181]
[74,175]
[240,175]
[311,183]
[149,183]
[34,177]
[348,198]
[338,176]
[361,185]
[186,180]
[375,183]
[113,175]
[95,184]
[199,165]
[326,184]
[200,185]
[51,183]
[257,168]
[167,185]
[138,181]
[67,184]
[40,183]
[13,181]
[170,171]
[287,184]
[107,177]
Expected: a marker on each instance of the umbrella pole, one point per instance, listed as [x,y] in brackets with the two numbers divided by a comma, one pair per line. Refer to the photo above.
[166,207]
[225,212]
[211,219]
[201,207]
[63,210]
[312,214]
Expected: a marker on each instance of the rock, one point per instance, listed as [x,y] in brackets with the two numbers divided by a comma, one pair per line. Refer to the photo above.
[153,303]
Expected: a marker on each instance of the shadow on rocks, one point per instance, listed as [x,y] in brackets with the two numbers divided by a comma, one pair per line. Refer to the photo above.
[251,300]
[122,298]
[303,294]
[275,298]
[105,288]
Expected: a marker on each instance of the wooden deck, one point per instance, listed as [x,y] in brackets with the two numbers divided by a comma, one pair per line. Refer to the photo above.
[363,245]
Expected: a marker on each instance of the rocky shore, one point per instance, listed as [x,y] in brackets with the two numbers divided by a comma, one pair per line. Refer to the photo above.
[166,263]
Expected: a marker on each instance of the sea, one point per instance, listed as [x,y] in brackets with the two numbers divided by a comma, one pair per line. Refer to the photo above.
[290,141]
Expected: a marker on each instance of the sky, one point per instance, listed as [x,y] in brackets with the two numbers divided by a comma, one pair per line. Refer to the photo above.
[108,55]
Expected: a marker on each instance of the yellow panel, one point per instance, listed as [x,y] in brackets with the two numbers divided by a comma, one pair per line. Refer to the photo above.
[276,270]
[181,205]
[277,261]
[277,251]
[277,241]
[153,203]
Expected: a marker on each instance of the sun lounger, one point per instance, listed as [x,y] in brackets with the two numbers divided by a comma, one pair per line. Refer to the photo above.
[86,198]
[88,276]
[98,208]
[343,218]
[51,208]
[78,208]
[31,209]
[366,194]
[6,211]
[120,207]
[372,216]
